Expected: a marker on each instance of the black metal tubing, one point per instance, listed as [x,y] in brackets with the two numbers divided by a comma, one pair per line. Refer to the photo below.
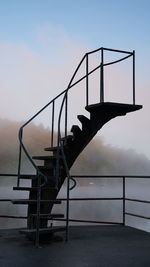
[87,81]
[88,221]
[137,215]
[138,200]
[66,113]
[116,61]
[117,50]
[13,217]
[91,198]
[111,176]
[20,157]
[52,132]
[102,77]
[111,50]
[38,211]
[123,211]
[134,77]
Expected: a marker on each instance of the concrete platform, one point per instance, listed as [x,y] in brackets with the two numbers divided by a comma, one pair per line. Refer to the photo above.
[92,246]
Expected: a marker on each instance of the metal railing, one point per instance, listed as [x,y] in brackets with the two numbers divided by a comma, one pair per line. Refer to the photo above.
[41,178]
[123,199]
[64,104]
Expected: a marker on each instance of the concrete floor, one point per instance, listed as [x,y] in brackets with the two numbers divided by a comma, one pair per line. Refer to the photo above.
[92,246]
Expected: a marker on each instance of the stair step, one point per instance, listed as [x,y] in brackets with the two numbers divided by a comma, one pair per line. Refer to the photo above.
[67,138]
[32,201]
[112,106]
[45,157]
[44,230]
[52,216]
[21,188]
[51,149]
[83,119]
[48,168]
[76,131]
[85,122]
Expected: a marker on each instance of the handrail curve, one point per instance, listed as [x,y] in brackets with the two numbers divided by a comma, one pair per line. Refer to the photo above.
[65,93]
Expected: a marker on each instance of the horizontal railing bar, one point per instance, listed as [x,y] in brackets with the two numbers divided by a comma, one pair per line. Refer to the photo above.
[91,198]
[13,217]
[70,86]
[117,50]
[94,51]
[89,176]
[87,221]
[33,117]
[8,174]
[137,200]
[110,176]
[90,72]
[136,215]
[5,199]
[111,50]
[14,175]
[116,61]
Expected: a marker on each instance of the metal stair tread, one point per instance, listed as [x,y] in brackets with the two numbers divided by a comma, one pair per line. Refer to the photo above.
[47,167]
[67,137]
[45,157]
[76,129]
[83,118]
[44,230]
[105,106]
[53,149]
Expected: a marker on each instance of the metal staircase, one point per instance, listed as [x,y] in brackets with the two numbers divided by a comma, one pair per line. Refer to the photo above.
[49,177]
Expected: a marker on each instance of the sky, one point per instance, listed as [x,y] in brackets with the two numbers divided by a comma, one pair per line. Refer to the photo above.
[41,43]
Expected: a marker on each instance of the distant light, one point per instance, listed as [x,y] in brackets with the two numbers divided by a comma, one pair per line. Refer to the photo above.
[91,183]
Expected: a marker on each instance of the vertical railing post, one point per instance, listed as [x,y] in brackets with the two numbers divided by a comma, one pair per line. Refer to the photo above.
[133,77]
[20,157]
[38,209]
[102,76]
[52,133]
[87,81]
[66,113]
[124,199]
[67,208]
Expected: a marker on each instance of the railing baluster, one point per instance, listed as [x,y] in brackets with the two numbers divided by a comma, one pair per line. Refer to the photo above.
[133,77]
[53,114]
[102,76]
[67,208]
[124,200]
[20,158]
[87,82]
[38,210]
[66,113]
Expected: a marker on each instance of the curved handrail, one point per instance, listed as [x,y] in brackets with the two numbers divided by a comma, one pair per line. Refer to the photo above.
[65,92]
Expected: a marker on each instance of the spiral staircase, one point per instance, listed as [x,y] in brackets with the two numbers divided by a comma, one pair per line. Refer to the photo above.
[50,176]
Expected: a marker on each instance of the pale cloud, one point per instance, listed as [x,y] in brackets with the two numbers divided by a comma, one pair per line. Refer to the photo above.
[30,78]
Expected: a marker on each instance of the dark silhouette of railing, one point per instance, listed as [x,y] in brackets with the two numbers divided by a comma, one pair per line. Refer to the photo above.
[41,178]
[64,104]
[123,198]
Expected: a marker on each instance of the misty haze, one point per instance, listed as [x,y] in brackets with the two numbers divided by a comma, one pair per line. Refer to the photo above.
[97,158]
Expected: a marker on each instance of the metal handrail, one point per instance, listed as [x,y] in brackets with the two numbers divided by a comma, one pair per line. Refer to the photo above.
[60,148]
[22,146]
[123,198]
